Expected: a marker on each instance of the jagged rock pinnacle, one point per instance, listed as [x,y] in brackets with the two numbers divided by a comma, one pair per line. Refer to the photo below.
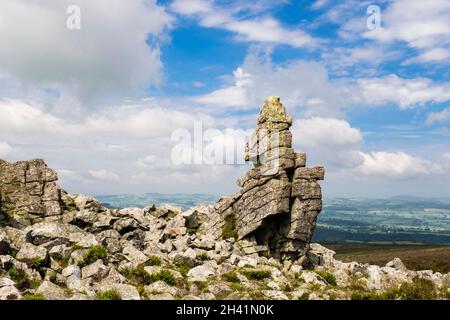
[275,212]
[274,111]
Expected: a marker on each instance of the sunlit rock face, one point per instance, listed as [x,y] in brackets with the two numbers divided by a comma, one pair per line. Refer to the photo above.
[29,191]
[275,211]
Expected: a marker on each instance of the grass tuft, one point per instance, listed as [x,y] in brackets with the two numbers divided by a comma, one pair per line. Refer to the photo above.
[328,277]
[229,228]
[108,295]
[231,277]
[153,261]
[37,296]
[257,274]
[93,254]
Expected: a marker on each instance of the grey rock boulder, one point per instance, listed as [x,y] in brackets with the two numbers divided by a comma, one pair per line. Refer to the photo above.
[96,271]
[201,273]
[33,256]
[51,291]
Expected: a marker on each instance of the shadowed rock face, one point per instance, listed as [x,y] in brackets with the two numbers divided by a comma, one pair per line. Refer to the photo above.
[275,211]
[28,191]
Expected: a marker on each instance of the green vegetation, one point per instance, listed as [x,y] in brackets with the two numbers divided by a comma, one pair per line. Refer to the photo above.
[142,292]
[257,295]
[355,284]
[201,285]
[64,261]
[304,296]
[237,287]
[33,297]
[418,289]
[69,204]
[182,266]
[447,295]
[76,246]
[298,279]
[415,257]
[315,286]
[141,277]
[263,286]
[229,228]
[202,257]
[137,276]
[231,277]
[21,279]
[328,277]
[164,275]
[153,261]
[93,254]
[287,287]
[372,295]
[53,277]
[394,220]
[38,263]
[256,274]
[191,231]
[108,295]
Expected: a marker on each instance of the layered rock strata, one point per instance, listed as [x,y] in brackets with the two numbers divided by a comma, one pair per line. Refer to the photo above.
[28,191]
[275,211]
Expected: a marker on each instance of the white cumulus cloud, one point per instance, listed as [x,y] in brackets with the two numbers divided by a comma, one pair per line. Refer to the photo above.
[394,164]
[424,25]
[441,116]
[103,174]
[403,92]
[328,141]
[108,55]
[252,29]
[5,149]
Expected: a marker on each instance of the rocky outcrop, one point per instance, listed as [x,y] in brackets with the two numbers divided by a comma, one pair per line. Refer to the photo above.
[275,211]
[28,191]
[90,252]
[274,214]
[253,245]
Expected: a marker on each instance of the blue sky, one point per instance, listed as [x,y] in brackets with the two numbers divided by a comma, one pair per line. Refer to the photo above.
[100,104]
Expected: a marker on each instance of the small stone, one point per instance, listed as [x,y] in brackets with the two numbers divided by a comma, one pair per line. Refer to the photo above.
[59,252]
[33,256]
[127,292]
[159,287]
[10,293]
[96,271]
[125,225]
[396,264]
[201,273]
[51,291]
[134,255]
[163,296]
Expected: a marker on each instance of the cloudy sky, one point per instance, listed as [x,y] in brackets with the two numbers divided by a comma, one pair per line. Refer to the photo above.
[100,104]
